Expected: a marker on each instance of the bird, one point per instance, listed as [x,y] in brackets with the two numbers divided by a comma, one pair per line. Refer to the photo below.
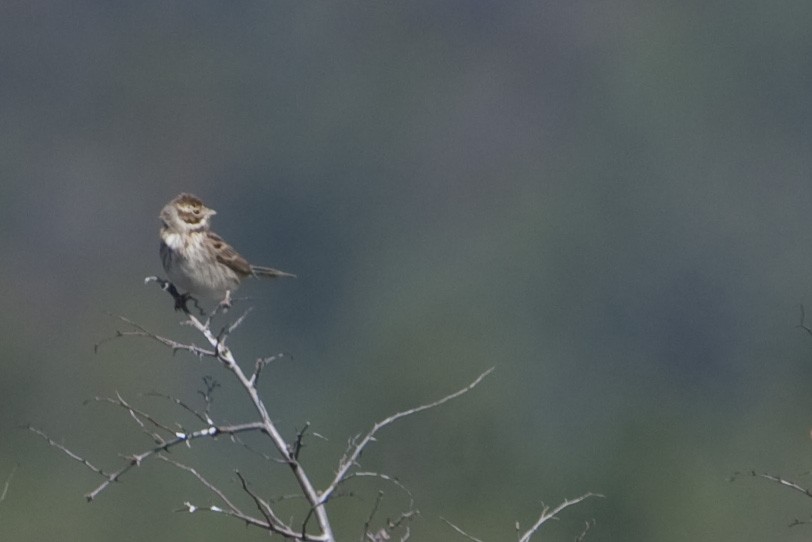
[199,263]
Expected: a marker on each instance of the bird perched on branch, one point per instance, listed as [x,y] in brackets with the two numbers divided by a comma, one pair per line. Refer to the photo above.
[198,261]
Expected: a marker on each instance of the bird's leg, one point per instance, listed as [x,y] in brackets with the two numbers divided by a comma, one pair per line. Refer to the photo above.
[181,300]
[225,304]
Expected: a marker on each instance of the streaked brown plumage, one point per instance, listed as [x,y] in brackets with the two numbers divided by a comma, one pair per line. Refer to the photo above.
[198,261]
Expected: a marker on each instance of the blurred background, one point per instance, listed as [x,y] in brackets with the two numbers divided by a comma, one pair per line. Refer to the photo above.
[608,202]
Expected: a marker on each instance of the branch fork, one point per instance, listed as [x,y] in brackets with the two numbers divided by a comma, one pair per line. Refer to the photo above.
[166,436]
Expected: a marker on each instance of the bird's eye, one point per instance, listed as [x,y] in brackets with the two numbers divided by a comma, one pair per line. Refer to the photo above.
[196,211]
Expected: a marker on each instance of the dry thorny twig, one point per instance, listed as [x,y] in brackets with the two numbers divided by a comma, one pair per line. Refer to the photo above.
[782,482]
[546,515]
[7,484]
[165,437]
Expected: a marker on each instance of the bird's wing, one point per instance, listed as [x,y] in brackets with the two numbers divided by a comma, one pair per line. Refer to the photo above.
[229,257]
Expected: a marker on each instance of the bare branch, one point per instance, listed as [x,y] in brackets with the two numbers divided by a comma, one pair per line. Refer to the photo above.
[460,531]
[547,514]
[366,534]
[72,455]
[271,522]
[140,331]
[235,324]
[803,325]
[391,525]
[386,477]
[260,364]
[136,459]
[223,353]
[783,482]
[263,506]
[587,526]
[778,480]
[249,520]
[202,418]
[289,452]
[354,453]
[385,533]
[7,483]
[137,414]
[211,487]
[298,444]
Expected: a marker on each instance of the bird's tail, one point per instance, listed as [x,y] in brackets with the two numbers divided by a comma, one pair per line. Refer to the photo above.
[270,272]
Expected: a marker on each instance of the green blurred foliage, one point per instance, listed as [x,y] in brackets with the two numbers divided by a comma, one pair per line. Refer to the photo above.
[606,201]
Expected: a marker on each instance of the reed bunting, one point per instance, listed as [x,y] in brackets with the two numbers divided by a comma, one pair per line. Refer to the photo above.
[199,263]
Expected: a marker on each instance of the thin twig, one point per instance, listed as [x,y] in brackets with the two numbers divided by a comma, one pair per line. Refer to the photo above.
[270,523]
[260,364]
[355,451]
[223,353]
[140,331]
[210,486]
[781,481]
[384,533]
[366,534]
[211,385]
[235,324]
[298,444]
[587,526]
[460,531]
[547,514]
[135,460]
[181,404]
[390,479]
[274,523]
[391,525]
[7,483]
[802,325]
[784,482]
[72,455]
[262,505]
[136,414]
[249,520]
